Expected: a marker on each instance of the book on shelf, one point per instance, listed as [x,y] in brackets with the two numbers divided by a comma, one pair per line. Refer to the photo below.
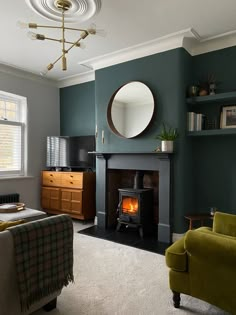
[195,121]
[191,120]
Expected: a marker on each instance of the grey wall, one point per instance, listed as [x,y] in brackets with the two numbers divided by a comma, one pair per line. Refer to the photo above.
[43,120]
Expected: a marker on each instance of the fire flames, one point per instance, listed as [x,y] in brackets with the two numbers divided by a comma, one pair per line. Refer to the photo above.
[130,205]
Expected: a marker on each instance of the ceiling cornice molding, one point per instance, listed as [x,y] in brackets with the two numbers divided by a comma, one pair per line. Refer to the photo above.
[9,69]
[188,39]
[76,79]
[171,41]
[174,40]
[214,43]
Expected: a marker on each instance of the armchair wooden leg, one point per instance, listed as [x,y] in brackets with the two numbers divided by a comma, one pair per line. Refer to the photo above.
[176,299]
[51,305]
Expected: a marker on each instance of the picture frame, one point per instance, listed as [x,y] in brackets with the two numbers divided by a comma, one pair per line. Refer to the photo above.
[228,117]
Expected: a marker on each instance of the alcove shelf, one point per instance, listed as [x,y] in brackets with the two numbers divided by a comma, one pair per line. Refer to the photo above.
[216,98]
[220,99]
[212,132]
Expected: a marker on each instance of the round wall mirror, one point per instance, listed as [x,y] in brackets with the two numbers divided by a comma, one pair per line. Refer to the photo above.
[130,109]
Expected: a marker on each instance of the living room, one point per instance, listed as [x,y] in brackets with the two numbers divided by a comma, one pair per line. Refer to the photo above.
[77,106]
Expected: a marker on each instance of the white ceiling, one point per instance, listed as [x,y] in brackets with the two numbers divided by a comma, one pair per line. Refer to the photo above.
[127,23]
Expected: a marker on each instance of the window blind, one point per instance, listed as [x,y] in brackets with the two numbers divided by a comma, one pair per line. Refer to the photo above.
[11,147]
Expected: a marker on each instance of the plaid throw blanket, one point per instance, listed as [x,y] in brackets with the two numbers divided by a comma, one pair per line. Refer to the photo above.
[44,257]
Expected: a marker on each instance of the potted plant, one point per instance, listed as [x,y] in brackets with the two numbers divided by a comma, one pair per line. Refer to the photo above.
[167,137]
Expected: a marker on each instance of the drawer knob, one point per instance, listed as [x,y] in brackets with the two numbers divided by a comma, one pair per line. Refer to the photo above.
[51,181]
[71,182]
[71,176]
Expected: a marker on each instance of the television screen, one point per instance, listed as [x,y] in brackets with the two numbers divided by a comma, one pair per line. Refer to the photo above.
[79,148]
[71,152]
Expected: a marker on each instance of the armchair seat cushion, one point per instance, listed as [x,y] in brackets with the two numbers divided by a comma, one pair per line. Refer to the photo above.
[176,256]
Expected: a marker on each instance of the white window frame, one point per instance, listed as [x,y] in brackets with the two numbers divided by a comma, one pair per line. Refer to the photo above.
[22,104]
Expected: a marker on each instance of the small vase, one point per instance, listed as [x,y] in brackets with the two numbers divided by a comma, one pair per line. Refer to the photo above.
[193,91]
[167,145]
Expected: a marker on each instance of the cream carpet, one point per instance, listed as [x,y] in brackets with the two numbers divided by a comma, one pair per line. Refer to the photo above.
[114,279]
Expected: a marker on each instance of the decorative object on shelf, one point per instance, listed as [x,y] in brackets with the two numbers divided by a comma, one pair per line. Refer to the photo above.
[193,91]
[158,149]
[203,89]
[228,117]
[167,137]
[64,11]
[210,123]
[207,86]
[212,88]
[212,84]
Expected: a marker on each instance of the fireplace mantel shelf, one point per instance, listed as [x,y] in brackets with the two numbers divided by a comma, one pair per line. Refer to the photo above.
[159,154]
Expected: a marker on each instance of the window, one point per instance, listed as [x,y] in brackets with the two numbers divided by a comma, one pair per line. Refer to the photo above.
[12,134]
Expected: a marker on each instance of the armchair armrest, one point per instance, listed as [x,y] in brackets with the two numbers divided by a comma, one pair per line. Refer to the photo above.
[176,257]
[211,247]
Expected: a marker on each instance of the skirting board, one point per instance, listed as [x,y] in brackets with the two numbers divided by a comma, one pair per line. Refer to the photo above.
[176,237]
[96,220]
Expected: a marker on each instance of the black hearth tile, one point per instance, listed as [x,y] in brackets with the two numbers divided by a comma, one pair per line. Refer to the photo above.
[96,232]
[153,245]
[129,237]
[126,238]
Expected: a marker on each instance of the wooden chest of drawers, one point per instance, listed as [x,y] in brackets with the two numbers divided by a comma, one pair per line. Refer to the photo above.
[72,193]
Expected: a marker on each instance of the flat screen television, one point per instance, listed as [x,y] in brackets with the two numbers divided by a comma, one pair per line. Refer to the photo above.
[70,152]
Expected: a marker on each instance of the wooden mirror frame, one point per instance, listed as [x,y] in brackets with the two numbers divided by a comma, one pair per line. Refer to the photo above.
[111,103]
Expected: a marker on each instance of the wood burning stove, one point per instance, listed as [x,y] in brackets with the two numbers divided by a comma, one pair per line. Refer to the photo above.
[135,208]
[158,162]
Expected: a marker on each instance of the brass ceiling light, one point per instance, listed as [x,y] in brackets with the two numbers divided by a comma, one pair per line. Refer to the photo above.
[59,10]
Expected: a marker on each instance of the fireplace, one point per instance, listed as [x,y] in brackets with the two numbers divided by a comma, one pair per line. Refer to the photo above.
[135,210]
[119,163]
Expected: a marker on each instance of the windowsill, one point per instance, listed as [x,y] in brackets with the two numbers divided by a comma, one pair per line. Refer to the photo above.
[15,177]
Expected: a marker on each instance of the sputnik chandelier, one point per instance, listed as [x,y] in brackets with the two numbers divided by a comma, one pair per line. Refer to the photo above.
[71,11]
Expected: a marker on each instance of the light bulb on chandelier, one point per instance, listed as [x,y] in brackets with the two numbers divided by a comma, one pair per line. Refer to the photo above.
[63,6]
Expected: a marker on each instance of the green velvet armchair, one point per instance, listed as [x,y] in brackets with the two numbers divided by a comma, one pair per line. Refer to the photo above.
[203,264]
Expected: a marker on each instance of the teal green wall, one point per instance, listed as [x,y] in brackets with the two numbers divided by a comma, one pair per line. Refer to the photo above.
[221,63]
[77,110]
[214,157]
[204,168]
[161,72]
[167,74]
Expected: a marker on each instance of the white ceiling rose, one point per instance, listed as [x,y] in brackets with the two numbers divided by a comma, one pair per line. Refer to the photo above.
[80,10]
